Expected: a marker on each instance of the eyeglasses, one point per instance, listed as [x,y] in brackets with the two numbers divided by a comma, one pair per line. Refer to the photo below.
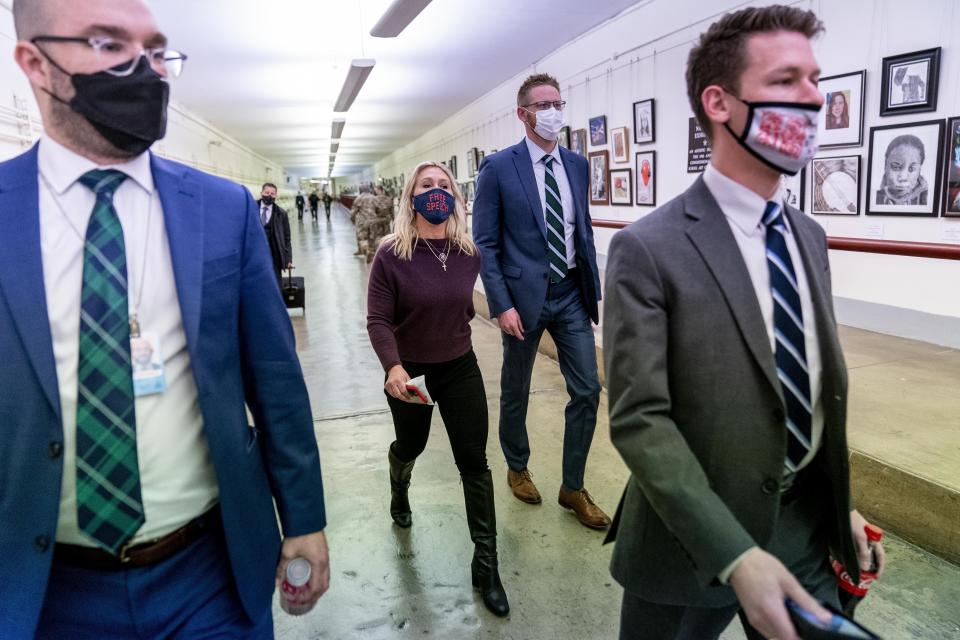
[546,104]
[120,57]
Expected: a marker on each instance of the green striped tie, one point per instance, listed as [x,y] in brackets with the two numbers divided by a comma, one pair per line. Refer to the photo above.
[109,507]
[556,238]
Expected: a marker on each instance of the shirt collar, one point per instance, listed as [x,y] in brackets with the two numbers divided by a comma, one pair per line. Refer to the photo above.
[536,153]
[63,167]
[739,204]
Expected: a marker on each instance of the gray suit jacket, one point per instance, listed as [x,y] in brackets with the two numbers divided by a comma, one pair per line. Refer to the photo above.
[696,409]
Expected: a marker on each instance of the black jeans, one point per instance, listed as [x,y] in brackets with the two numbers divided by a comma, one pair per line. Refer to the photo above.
[457,388]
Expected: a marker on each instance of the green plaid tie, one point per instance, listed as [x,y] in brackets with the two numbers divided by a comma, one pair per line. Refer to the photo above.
[556,238]
[109,508]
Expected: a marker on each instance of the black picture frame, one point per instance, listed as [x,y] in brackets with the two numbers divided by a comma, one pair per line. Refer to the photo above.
[795,189]
[563,139]
[918,94]
[645,194]
[951,174]
[599,180]
[835,185]
[473,162]
[578,141]
[598,131]
[882,138]
[644,133]
[852,87]
[621,177]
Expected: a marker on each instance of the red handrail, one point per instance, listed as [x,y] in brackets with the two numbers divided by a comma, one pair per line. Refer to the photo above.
[888,247]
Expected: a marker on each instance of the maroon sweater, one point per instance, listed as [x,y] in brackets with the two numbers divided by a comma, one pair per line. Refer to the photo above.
[416,311]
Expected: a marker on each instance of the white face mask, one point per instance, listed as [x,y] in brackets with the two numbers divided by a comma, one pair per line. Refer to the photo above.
[782,135]
[549,123]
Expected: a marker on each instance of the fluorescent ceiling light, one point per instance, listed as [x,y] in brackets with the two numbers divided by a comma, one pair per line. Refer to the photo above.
[336,129]
[396,18]
[360,68]
[334,146]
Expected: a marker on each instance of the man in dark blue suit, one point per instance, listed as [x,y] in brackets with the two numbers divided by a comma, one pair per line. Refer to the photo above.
[532,225]
[126,510]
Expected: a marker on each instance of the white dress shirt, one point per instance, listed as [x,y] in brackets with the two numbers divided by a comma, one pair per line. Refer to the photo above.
[266,212]
[744,209]
[176,474]
[566,195]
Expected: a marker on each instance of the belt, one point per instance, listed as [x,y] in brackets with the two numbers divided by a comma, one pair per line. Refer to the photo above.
[139,555]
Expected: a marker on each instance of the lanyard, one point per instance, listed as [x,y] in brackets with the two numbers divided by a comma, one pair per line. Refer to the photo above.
[138,297]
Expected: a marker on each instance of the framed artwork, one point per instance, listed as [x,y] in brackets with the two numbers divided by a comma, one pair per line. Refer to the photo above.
[951,189]
[621,144]
[598,131]
[621,187]
[471,191]
[599,165]
[909,82]
[480,156]
[841,120]
[646,172]
[644,126]
[578,141]
[473,161]
[836,185]
[795,188]
[453,166]
[564,138]
[903,169]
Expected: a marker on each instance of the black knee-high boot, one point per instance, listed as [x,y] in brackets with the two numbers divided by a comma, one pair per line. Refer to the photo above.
[399,483]
[482,521]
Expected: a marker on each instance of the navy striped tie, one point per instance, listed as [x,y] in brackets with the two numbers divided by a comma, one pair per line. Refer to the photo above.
[790,353]
[556,237]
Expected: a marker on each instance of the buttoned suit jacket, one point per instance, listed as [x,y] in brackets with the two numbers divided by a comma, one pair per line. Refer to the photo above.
[279,227]
[241,349]
[696,409]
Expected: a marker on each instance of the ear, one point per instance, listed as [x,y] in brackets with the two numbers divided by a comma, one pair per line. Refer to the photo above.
[522,115]
[33,64]
[716,104]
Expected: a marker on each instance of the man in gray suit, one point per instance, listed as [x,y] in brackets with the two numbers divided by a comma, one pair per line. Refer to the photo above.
[727,383]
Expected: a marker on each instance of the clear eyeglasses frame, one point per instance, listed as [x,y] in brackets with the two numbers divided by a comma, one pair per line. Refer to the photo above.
[120,57]
[546,104]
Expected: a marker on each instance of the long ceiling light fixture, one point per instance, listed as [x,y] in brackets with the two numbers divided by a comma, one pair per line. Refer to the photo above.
[336,128]
[360,68]
[334,146]
[396,18]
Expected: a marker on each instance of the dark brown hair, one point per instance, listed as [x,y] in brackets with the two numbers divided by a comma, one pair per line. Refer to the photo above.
[536,80]
[268,184]
[720,56]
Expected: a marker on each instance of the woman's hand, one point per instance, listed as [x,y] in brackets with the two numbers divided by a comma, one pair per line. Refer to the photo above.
[396,384]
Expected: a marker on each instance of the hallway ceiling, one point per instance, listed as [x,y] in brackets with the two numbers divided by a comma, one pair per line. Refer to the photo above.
[268,73]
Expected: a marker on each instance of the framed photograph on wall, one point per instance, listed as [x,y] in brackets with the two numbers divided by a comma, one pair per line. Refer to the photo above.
[621,144]
[598,131]
[841,120]
[903,169]
[909,82]
[578,141]
[644,126]
[836,186]
[564,138]
[452,165]
[621,187]
[951,188]
[646,172]
[472,162]
[794,189]
[599,166]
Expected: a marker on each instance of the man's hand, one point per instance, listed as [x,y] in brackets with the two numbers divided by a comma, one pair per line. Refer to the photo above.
[857,524]
[510,323]
[290,265]
[313,547]
[762,584]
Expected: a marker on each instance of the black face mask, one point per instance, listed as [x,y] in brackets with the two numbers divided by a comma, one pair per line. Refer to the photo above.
[130,112]
[266,199]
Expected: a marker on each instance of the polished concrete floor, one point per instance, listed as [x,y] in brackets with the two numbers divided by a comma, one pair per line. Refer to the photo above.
[392,583]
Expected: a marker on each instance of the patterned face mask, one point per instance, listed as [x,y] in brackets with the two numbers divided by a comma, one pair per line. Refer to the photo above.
[782,135]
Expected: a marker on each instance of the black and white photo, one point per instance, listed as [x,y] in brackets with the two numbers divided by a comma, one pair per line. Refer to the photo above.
[909,82]
[644,126]
[903,173]
[836,185]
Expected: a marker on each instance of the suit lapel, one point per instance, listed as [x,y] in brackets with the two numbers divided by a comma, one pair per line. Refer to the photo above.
[575,186]
[21,269]
[712,236]
[183,217]
[521,159]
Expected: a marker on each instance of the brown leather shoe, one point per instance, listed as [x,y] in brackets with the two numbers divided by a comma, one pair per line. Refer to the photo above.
[583,506]
[521,483]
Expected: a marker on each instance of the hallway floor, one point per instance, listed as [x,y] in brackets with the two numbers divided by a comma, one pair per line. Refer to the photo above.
[393,583]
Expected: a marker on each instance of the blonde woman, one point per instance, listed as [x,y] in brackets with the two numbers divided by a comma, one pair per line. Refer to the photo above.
[419,307]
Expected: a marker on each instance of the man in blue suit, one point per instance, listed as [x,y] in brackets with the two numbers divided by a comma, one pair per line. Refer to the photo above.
[129,512]
[532,225]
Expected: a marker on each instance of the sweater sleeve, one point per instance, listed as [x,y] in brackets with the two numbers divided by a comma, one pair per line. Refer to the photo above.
[381,304]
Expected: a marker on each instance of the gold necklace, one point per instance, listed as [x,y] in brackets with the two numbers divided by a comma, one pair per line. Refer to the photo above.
[442,256]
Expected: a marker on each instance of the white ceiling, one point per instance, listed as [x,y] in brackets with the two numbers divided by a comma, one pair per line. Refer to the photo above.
[268,72]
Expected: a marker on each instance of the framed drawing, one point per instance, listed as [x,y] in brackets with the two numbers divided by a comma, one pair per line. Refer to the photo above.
[795,188]
[644,126]
[621,187]
[951,190]
[472,162]
[598,131]
[841,120]
[452,165]
[578,141]
[909,82]
[599,165]
[471,191]
[646,172]
[836,185]
[480,156]
[903,169]
[564,138]
[621,144]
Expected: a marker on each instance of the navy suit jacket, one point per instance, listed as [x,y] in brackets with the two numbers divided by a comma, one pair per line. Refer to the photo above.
[511,233]
[241,348]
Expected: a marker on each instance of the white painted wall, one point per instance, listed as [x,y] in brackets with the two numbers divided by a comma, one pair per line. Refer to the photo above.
[642,54]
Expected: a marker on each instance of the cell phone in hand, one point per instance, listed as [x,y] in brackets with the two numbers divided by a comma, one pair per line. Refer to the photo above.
[838,627]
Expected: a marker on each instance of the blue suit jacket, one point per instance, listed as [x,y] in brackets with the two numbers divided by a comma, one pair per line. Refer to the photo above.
[510,231]
[241,349]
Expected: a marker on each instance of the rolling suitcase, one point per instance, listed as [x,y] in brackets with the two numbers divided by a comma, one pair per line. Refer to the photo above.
[294,294]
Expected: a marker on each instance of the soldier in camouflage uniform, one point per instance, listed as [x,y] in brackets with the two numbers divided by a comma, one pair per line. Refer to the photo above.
[364,216]
[384,207]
